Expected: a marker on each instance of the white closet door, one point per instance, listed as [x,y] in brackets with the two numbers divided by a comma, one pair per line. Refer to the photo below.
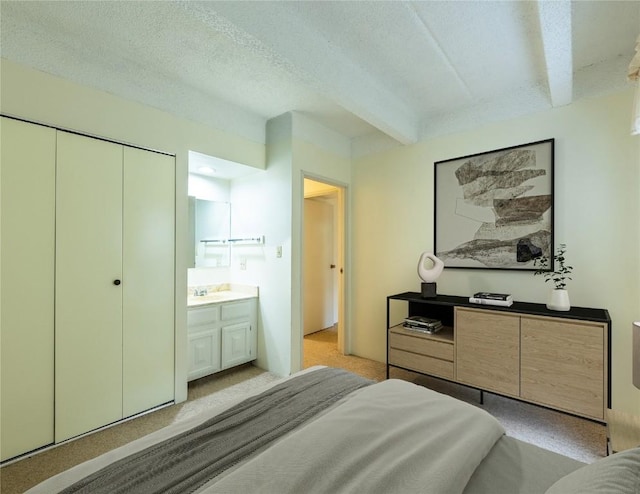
[88,381]
[149,253]
[26,325]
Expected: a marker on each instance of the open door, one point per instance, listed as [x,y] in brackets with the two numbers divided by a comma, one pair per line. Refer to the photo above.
[319,265]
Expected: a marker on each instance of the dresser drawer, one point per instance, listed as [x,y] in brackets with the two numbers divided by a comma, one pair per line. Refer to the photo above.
[423,346]
[421,363]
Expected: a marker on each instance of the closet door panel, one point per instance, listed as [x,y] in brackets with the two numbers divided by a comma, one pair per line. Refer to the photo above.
[27,158]
[88,381]
[149,252]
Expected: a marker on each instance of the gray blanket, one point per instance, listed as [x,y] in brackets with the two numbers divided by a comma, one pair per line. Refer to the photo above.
[184,463]
[390,438]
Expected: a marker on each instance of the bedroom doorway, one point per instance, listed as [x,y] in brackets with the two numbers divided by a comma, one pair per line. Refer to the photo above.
[322,272]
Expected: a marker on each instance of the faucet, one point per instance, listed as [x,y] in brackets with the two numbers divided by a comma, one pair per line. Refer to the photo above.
[199,291]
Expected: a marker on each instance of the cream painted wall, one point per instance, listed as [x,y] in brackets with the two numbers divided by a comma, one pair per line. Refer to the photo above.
[42,98]
[266,200]
[597,214]
[320,154]
[295,147]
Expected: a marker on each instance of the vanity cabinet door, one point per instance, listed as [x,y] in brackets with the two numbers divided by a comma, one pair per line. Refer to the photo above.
[488,350]
[204,353]
[234,341]
[27,170]
[236,344]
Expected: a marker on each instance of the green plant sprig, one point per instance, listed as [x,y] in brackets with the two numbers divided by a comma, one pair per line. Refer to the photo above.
[561,274]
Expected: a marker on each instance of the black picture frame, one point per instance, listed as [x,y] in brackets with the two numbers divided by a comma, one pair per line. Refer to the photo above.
[495,210]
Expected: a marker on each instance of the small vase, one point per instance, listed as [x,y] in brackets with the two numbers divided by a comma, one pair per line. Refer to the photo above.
[558,300]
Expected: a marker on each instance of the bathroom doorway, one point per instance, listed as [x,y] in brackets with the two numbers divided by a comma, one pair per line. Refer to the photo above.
[323,272]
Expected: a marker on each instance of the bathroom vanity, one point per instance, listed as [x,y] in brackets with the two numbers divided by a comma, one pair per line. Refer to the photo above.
[222,326]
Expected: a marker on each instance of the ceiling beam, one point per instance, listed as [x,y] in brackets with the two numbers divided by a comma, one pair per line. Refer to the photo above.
[555,28]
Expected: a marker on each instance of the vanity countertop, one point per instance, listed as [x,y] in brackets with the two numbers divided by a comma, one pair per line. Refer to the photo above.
[217,294]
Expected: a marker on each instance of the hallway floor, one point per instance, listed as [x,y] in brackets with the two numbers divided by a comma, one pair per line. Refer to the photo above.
[321,348]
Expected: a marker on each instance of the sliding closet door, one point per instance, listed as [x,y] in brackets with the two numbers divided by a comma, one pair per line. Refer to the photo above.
[27,262]
[149,246]
[89,285]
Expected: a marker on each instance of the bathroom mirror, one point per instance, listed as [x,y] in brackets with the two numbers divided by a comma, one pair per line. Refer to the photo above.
[210,225]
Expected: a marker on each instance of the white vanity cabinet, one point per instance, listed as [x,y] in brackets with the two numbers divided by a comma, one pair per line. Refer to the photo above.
[221,335]
[204,340]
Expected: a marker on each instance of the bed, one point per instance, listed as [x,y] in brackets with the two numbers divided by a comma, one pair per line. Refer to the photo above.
[325,430]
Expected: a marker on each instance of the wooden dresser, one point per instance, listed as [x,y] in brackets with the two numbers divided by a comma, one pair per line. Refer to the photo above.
[560,360]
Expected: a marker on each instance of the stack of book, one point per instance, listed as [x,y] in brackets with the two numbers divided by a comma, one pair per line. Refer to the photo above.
[422,324]
[488,298]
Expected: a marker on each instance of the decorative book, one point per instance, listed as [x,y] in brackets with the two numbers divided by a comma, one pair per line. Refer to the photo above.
[498,299]
[493,296]
[422,324]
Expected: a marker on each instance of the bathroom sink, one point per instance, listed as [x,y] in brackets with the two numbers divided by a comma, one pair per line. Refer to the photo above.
[213,297]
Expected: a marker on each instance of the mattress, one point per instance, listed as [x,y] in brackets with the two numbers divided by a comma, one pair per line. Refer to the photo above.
[391,436]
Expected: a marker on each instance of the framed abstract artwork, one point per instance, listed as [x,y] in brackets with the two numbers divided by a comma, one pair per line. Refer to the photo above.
[494,210]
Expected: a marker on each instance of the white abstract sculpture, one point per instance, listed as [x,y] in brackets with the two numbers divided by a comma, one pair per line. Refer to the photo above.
[430,275]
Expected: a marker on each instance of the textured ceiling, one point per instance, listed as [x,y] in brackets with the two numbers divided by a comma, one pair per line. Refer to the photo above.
[404,70]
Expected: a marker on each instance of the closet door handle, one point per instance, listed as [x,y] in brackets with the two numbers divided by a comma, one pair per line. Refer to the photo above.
[116,282]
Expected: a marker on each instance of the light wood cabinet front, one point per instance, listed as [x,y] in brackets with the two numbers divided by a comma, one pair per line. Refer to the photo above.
[563,365]
[427,353]
[421,363]
[525,352]
[488,350]
[403,339]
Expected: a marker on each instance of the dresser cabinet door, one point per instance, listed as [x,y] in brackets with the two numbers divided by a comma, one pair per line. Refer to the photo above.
[488,350]
[563,365]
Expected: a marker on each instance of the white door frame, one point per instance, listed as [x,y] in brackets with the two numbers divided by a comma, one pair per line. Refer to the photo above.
[341,243]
